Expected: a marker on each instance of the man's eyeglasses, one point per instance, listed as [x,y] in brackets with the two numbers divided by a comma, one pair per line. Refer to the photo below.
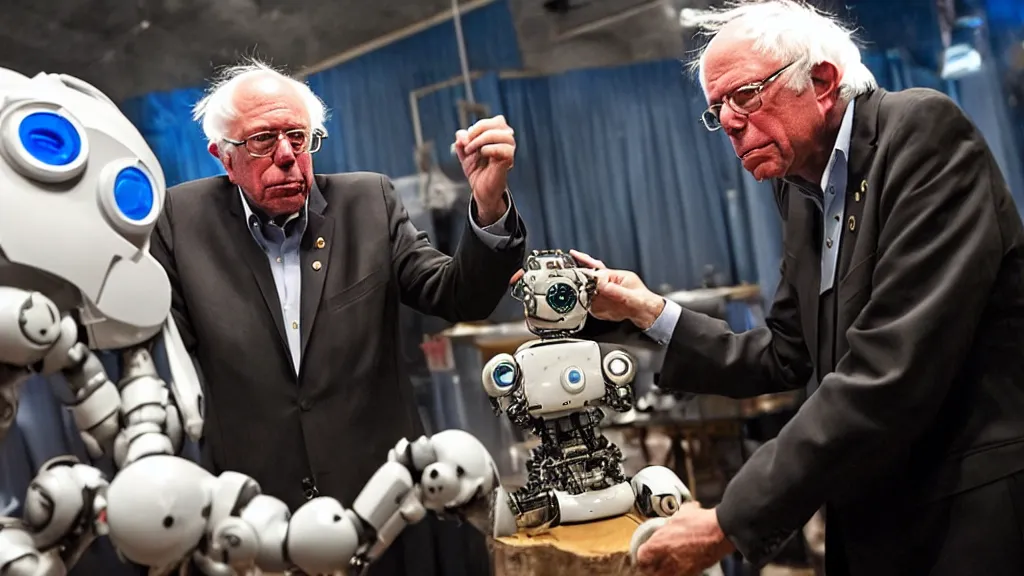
[744,100]
[263,144]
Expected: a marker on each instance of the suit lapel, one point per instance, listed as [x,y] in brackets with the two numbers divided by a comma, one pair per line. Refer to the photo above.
[863,142]
[256,260]
[315,256]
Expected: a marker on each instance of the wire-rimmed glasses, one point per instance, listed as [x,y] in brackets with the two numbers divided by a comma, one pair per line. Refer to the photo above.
[744,100]
[263,144]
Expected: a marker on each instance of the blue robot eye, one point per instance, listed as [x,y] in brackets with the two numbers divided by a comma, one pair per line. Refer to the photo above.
[574,376]
[561,297]
[133,193]
[504,375]
[50,138]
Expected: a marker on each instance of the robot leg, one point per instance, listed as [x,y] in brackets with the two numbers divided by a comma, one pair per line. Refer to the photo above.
[539,512]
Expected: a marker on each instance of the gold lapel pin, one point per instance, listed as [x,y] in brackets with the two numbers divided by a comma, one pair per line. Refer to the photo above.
[863,190]
[320,243]
[317,265]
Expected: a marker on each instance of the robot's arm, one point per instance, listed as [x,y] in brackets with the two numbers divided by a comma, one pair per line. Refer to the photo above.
[450,474]
[35,336]
[502,379]
[619,370]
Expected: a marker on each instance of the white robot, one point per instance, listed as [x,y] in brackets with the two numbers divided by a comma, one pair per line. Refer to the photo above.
[555,386]
[80,192]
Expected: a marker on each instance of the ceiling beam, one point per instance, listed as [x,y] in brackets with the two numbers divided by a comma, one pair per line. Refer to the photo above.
[390,38]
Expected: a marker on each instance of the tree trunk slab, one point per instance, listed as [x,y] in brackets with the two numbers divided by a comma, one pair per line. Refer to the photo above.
[593,549]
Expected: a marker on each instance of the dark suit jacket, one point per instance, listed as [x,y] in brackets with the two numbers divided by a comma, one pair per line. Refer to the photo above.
[927,396]
[351,401]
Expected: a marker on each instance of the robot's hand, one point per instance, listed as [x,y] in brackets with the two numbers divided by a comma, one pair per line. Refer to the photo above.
[659,491]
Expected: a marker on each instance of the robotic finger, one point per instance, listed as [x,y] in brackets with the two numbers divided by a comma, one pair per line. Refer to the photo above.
[643,533]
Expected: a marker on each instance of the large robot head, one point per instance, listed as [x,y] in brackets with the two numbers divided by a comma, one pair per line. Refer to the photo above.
[555,293]
[80,192]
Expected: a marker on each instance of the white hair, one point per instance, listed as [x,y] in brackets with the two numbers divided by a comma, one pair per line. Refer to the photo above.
[216,110]
[795,32]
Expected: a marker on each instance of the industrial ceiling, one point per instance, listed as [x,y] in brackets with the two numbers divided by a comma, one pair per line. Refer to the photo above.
[131,47]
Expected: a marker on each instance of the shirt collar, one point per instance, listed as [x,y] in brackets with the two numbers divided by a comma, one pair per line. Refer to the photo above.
[257,222]
[841,149]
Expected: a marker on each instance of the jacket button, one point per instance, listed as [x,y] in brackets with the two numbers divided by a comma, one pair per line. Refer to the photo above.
[305,405]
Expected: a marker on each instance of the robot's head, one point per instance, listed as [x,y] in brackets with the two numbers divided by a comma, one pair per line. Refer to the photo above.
[463,473]
[80,192]
[555,293]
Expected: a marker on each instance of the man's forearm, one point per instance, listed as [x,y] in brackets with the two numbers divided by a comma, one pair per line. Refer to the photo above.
[705,356]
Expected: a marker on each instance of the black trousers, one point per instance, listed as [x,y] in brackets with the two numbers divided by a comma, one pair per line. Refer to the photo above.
[979,532]
[435,548]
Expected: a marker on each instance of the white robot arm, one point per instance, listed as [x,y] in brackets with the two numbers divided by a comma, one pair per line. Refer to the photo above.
[227,526]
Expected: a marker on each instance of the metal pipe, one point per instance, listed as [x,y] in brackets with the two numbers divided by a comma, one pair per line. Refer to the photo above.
[608,20]
[415,95]
[417,128]
[385,40]
[463,59]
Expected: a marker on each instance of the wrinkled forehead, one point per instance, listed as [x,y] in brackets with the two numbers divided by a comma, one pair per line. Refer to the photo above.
[731,61]
[265,102]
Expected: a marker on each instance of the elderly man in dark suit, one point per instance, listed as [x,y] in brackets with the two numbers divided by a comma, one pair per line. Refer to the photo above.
[902,287]
[287,287]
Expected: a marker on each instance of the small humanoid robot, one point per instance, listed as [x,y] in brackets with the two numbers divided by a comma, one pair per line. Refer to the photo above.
[555,386]
[80,192]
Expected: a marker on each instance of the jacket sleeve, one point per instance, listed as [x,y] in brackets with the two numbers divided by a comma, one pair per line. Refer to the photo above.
[705,356]
[465,287]
[937,257]
[161,247]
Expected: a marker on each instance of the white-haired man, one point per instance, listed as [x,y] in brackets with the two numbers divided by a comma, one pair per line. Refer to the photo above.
[902,288]
[287,287]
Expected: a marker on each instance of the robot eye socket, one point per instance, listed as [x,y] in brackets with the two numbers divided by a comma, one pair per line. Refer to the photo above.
[50,138]
[133,193]
[561,297]
[504,375]
[130,197]
[44,143]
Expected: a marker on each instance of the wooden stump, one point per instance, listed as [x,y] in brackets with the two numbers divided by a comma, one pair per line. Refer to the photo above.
[594,549]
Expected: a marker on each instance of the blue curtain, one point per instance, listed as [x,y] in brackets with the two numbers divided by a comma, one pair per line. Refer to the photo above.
[371,125]
[614,162]
[165,121]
